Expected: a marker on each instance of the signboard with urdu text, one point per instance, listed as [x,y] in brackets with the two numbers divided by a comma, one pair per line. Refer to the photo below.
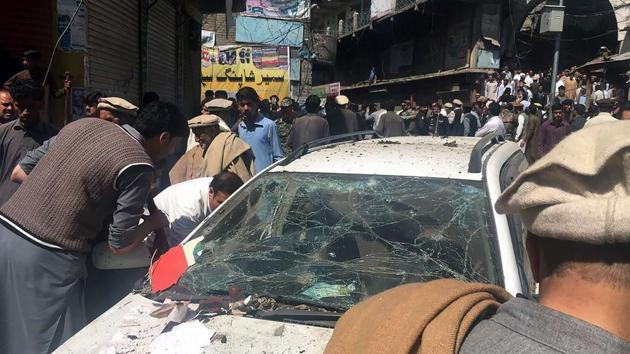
[266,69]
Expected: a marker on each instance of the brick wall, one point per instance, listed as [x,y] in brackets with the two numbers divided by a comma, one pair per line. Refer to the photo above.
[217,23]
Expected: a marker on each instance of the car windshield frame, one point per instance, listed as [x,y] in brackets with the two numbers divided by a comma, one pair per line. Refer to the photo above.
[209,228]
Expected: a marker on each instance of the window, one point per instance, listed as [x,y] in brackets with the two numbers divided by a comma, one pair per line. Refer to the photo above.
[337,239]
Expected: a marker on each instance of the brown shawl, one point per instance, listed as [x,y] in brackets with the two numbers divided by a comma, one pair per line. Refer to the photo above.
[226,152]
[432,317]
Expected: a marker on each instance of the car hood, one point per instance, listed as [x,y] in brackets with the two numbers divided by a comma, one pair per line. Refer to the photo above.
[128,327]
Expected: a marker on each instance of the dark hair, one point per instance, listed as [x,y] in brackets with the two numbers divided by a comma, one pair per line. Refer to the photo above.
[247,93]
[580,109]
[264,106]
[226,182]
[91,99]
[220,94]
[161,117]
[467,109]
[27,88]
[32,55]
[625,107]
[209,93]
[312,104]
[389,105]
[593,110]
[494,109]
[276,96]
[556,107]
[149,97]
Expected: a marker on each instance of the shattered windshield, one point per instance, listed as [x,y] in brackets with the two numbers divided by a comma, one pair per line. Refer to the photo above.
[337,239]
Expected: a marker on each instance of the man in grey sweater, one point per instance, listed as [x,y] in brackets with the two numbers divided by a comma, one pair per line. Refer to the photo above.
[573,203]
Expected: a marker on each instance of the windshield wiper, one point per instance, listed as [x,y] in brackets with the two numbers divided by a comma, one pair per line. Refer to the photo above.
[313,318]
[290,300]
[317,314]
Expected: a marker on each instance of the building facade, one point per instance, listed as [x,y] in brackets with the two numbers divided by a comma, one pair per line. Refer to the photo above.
[122,48]
[269,45]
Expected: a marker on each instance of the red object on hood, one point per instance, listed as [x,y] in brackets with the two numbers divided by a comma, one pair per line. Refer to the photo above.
[166,271]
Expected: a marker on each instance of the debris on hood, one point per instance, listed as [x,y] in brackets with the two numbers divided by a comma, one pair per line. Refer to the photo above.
[451,143]
[218,338]
[136,332]
[187,338]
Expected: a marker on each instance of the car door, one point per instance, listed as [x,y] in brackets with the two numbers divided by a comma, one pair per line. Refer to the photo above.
[512,168]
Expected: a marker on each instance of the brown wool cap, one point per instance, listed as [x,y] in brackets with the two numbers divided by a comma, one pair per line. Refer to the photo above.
[342,100]
[580,191]
[117,104]
[218,103]
[204,120]
[208,120]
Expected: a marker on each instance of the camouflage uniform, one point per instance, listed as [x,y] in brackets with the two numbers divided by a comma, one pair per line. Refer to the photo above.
[284,129]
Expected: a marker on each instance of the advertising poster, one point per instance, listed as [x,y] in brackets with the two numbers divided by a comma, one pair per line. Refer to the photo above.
[269,32]
[74,39]
[266,69]
[207,38]
[286,9]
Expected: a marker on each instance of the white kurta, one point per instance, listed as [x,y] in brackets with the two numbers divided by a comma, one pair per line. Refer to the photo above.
[185,205]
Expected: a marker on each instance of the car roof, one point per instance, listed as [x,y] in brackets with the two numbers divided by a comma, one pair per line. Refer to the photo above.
[416,156]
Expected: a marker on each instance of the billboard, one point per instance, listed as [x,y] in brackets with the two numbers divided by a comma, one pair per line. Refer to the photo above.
[287,9]
[266,69]
[381,8]
[269,32]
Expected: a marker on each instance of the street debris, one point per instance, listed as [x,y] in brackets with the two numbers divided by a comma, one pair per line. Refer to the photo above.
[187,338]
[278,332]
[451,143]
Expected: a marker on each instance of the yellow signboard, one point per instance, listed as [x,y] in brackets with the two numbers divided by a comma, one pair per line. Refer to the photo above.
[230,68]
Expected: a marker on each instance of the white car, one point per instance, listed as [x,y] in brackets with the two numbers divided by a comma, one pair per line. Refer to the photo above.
[329,226]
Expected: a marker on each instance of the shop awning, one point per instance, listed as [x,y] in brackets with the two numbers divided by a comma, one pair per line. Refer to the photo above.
[403,80]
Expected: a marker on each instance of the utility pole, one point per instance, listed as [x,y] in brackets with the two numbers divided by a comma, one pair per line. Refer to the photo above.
[556,59]
[552,21]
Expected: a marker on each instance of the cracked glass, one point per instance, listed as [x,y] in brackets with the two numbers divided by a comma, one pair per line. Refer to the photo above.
[336,239]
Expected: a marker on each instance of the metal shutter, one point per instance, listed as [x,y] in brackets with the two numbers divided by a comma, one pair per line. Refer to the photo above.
[162,51]
[114,48]
[25,24]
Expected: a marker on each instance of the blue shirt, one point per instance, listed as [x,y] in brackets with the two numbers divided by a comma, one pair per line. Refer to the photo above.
[264,139]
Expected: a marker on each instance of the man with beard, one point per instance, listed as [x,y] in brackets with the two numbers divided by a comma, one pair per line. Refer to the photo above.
[217,150]
[112,109]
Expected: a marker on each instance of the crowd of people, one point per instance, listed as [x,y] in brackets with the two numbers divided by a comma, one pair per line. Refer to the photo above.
[132,175]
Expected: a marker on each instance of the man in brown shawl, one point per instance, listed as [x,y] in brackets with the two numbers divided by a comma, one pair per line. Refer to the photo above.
[216,151]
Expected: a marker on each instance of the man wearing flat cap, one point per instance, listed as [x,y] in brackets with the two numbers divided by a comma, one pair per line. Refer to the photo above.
[217,150]
[605,113]
[575,205]
[117,110]
[455,122]
[350,122]
[113,109]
